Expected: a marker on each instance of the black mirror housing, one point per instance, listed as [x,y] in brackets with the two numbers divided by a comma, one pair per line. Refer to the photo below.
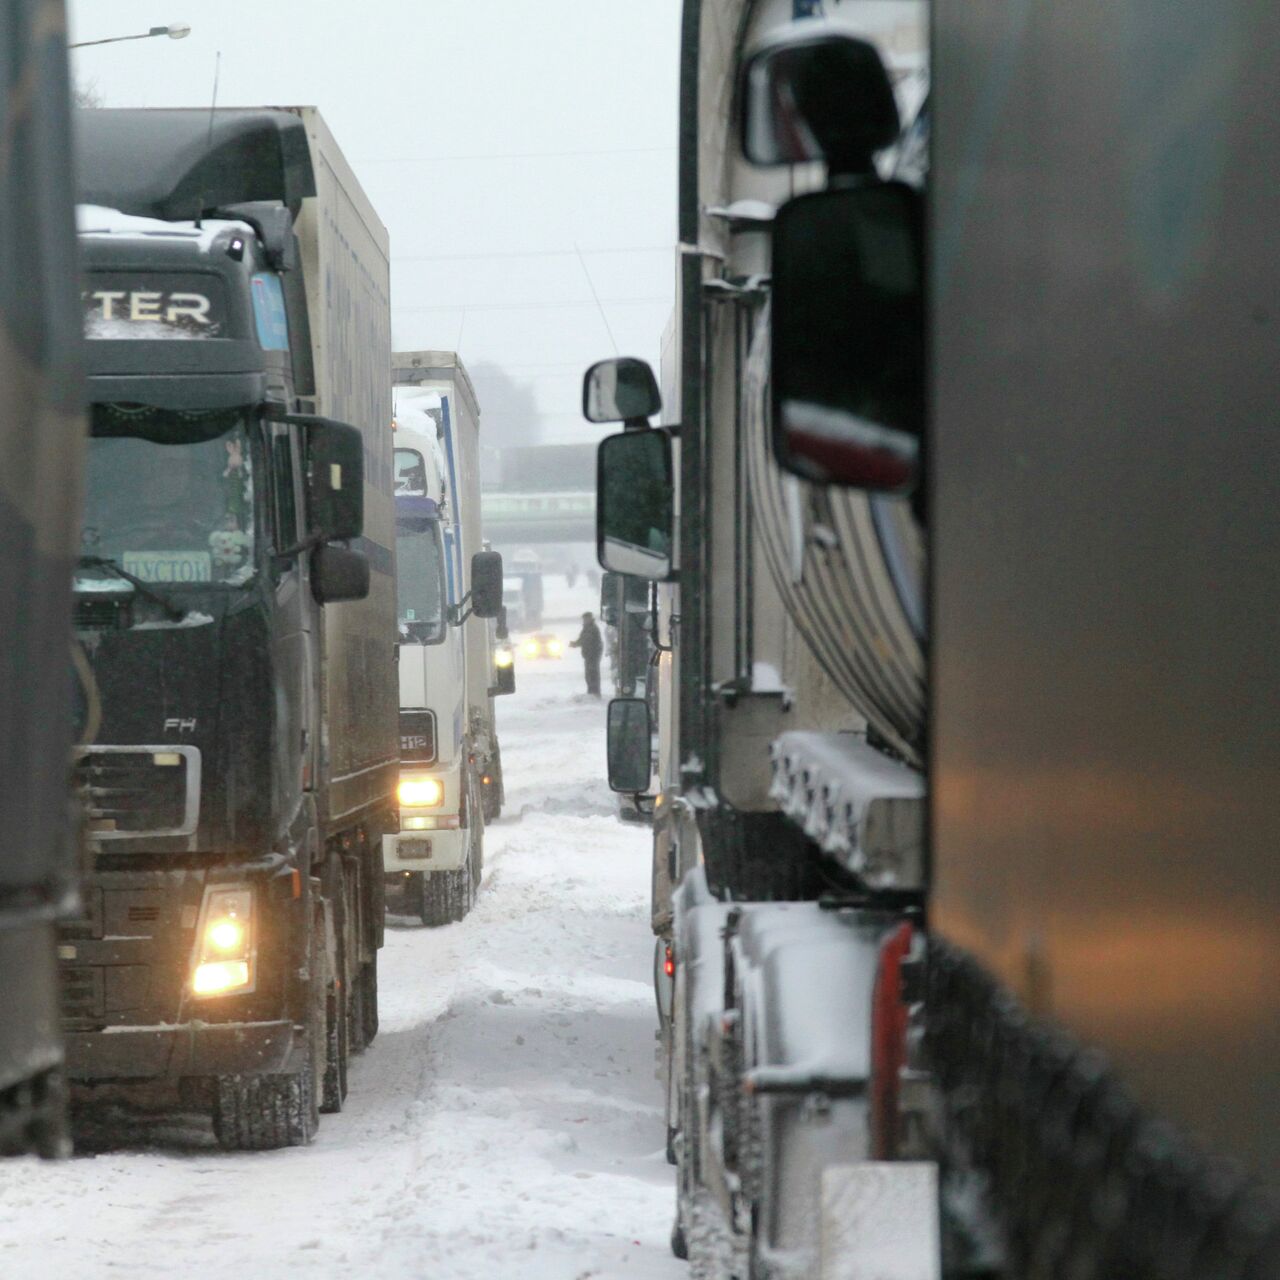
[815,92]
[848,336]
[630,745]
[335,479]
[504,681]
[486,584]
[338,573]
[620,390]
[635,504]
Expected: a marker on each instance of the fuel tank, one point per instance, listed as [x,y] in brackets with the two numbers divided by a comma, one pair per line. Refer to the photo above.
[850,570]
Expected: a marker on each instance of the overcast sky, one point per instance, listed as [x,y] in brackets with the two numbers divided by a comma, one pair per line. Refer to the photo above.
[519,152]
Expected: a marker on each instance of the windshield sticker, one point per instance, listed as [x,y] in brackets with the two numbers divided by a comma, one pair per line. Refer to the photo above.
[170,566]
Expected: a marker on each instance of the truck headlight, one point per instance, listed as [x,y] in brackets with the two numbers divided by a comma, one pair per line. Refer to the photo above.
[224,943]
[420,793]
[503,656]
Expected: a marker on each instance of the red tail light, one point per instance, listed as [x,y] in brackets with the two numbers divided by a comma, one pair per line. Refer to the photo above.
[669,963]
[888,1043]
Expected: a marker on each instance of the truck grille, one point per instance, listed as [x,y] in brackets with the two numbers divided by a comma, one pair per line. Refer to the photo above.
[103,613]
[82,996]
[418,737]
[140,791]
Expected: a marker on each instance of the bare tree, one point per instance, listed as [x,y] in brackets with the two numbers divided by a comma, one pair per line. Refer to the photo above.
[87,95]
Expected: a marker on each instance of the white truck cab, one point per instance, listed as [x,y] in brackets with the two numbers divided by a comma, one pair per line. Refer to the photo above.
[448,739]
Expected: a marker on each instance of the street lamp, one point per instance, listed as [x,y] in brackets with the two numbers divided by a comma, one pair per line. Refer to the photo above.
[175,31]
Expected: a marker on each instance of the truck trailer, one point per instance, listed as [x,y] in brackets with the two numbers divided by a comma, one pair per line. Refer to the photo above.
[235,594]
[964,872]
[450,762]
[41,458]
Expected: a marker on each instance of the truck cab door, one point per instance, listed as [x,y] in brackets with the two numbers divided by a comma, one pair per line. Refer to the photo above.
[293,627]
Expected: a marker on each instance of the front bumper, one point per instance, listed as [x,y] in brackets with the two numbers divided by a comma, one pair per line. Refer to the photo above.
[184,1049]
[423,851]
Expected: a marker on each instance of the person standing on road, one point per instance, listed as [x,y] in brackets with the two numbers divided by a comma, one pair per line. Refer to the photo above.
[592,647]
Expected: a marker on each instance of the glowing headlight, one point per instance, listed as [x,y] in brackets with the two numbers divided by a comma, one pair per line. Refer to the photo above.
[220,977]
[224,951]
[531,648]
[555,648]
[420,793]
[225,936]
[502,656]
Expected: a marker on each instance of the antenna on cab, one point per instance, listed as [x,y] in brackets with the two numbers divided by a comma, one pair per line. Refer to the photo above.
[208,143]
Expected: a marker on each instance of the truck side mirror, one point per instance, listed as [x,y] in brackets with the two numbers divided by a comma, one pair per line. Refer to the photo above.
[338,573]
[335,479]
[812,92]
[629,737]
[620,390]
[486,584]
[848,334]
[635,511]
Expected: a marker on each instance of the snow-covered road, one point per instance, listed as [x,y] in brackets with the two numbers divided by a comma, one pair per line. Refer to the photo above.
[506,1121]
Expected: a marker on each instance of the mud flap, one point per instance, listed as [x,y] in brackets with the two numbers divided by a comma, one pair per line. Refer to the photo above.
[880,1222]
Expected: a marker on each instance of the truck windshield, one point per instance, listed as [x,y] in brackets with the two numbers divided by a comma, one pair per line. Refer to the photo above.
[169,495]
[420,587]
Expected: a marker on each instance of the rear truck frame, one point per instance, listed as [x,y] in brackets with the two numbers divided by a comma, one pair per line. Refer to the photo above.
[235,594]
[41,462]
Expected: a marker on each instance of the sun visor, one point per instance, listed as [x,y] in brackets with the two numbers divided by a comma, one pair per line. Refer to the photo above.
[187,391]
[176,165]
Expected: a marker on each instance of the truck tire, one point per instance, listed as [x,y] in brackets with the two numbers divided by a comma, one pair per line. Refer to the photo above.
[50,1129]
[338,1002]
[261,1113]
[368,1003]
[337,1046]
[435,902]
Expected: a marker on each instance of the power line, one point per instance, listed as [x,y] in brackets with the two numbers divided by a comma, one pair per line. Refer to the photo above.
[537,306]
[520,155]
[591,284]
[530,253]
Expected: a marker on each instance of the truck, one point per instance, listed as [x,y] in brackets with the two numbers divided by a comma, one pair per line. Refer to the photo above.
[964,880]
[235,594]
[450,781]
[42,431]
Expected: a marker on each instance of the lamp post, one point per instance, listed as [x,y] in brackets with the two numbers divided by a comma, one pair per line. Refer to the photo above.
[175,31]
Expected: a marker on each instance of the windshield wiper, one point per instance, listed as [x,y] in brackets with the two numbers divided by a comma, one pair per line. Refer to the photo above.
[143,588]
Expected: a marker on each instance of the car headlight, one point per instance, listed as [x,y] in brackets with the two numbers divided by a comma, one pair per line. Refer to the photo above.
[420,793]
[531,648]
[224,947]
[555,648]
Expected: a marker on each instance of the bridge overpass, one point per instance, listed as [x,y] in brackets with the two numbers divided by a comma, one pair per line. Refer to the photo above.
[539,494]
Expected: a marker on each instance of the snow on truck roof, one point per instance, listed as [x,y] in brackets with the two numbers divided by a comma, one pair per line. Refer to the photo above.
[93,219]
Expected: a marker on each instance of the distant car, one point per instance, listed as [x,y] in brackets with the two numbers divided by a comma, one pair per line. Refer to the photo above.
[542,644]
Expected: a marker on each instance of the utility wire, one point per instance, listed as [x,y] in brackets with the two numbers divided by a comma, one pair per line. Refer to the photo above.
[538,306]
[531,253]
[520,155]
[612,340]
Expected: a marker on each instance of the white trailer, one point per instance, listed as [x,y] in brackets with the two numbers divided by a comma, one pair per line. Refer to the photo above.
[450,774]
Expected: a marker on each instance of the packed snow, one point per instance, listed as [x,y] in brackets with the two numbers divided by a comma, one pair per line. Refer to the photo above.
[505,1123]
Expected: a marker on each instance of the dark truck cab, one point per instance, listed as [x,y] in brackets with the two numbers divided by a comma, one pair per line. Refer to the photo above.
[229,938]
